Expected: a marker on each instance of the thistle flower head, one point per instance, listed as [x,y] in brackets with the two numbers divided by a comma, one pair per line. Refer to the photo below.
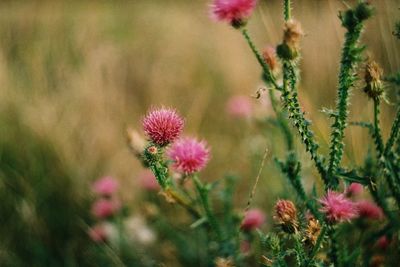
[374,86]
[286,215]
[354,189]
[369,210]
[269,56]
[104,208]
[235,12]
[312,232]
[189,155]
[239,106]
[253,219]
[105,186]
[163,125]
[337,207]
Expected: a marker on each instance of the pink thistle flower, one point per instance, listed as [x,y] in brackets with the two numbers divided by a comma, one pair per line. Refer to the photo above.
[337,207]
[104,208]
[369,210]
[286,215]
[105,186]
[163,125]
[234,12]
[253,219]
[189,155]
[269,56]
[354,189]
[148,181]
[239,106]
[98,233]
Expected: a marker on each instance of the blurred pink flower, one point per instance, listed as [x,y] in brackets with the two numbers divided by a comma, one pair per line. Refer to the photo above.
[269,56]
[104,208]
[163,125]
[189,155]
[369,210]
[105,186]
[232,11]
[98,233]
[253,219]
[148,181]
[239,106]
[383,242]
[354,189]
[245,246]
[337,207]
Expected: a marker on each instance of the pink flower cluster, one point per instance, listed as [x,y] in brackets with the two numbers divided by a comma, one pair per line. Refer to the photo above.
[164,126]
[105,205]
[232,11]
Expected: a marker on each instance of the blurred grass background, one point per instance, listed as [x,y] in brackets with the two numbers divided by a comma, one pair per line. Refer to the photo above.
[74,74]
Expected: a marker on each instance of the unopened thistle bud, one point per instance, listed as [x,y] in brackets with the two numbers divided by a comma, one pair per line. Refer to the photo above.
[374,85]
[312,232]
[286,216]
[289,49]
[151,154]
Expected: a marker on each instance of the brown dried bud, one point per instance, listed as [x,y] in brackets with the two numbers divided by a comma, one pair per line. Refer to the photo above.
[266,261]
[224,262]
[286,216]
[312,232]
[269,56]
[292,33]
[374,85]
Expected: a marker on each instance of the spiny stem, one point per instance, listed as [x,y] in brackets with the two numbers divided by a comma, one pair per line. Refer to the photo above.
[266,70]
[346,79]
[394,133]
[203,194]
[291,103]
[334,249]
[287,9]
[377,130]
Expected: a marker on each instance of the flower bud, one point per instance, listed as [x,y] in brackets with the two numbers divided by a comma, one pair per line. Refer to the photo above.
[312,232]
[372,77]
[289,49]
[286,216]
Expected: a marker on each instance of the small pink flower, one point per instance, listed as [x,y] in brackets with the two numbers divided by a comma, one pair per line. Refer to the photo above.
[369,210]
[232,11]
[98,233]
[354,189]
[383,242]
[104,208]
[337,207]
[105,186]
[253,219]
[269,56]
[163,125]
[148,181]
[239,106]
[189,155]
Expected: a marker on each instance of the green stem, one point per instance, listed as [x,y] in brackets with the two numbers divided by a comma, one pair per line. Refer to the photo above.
[203,193]
[394,133]
[334,248]
[287,9]
[377,130]
[266,70]
[346,78]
